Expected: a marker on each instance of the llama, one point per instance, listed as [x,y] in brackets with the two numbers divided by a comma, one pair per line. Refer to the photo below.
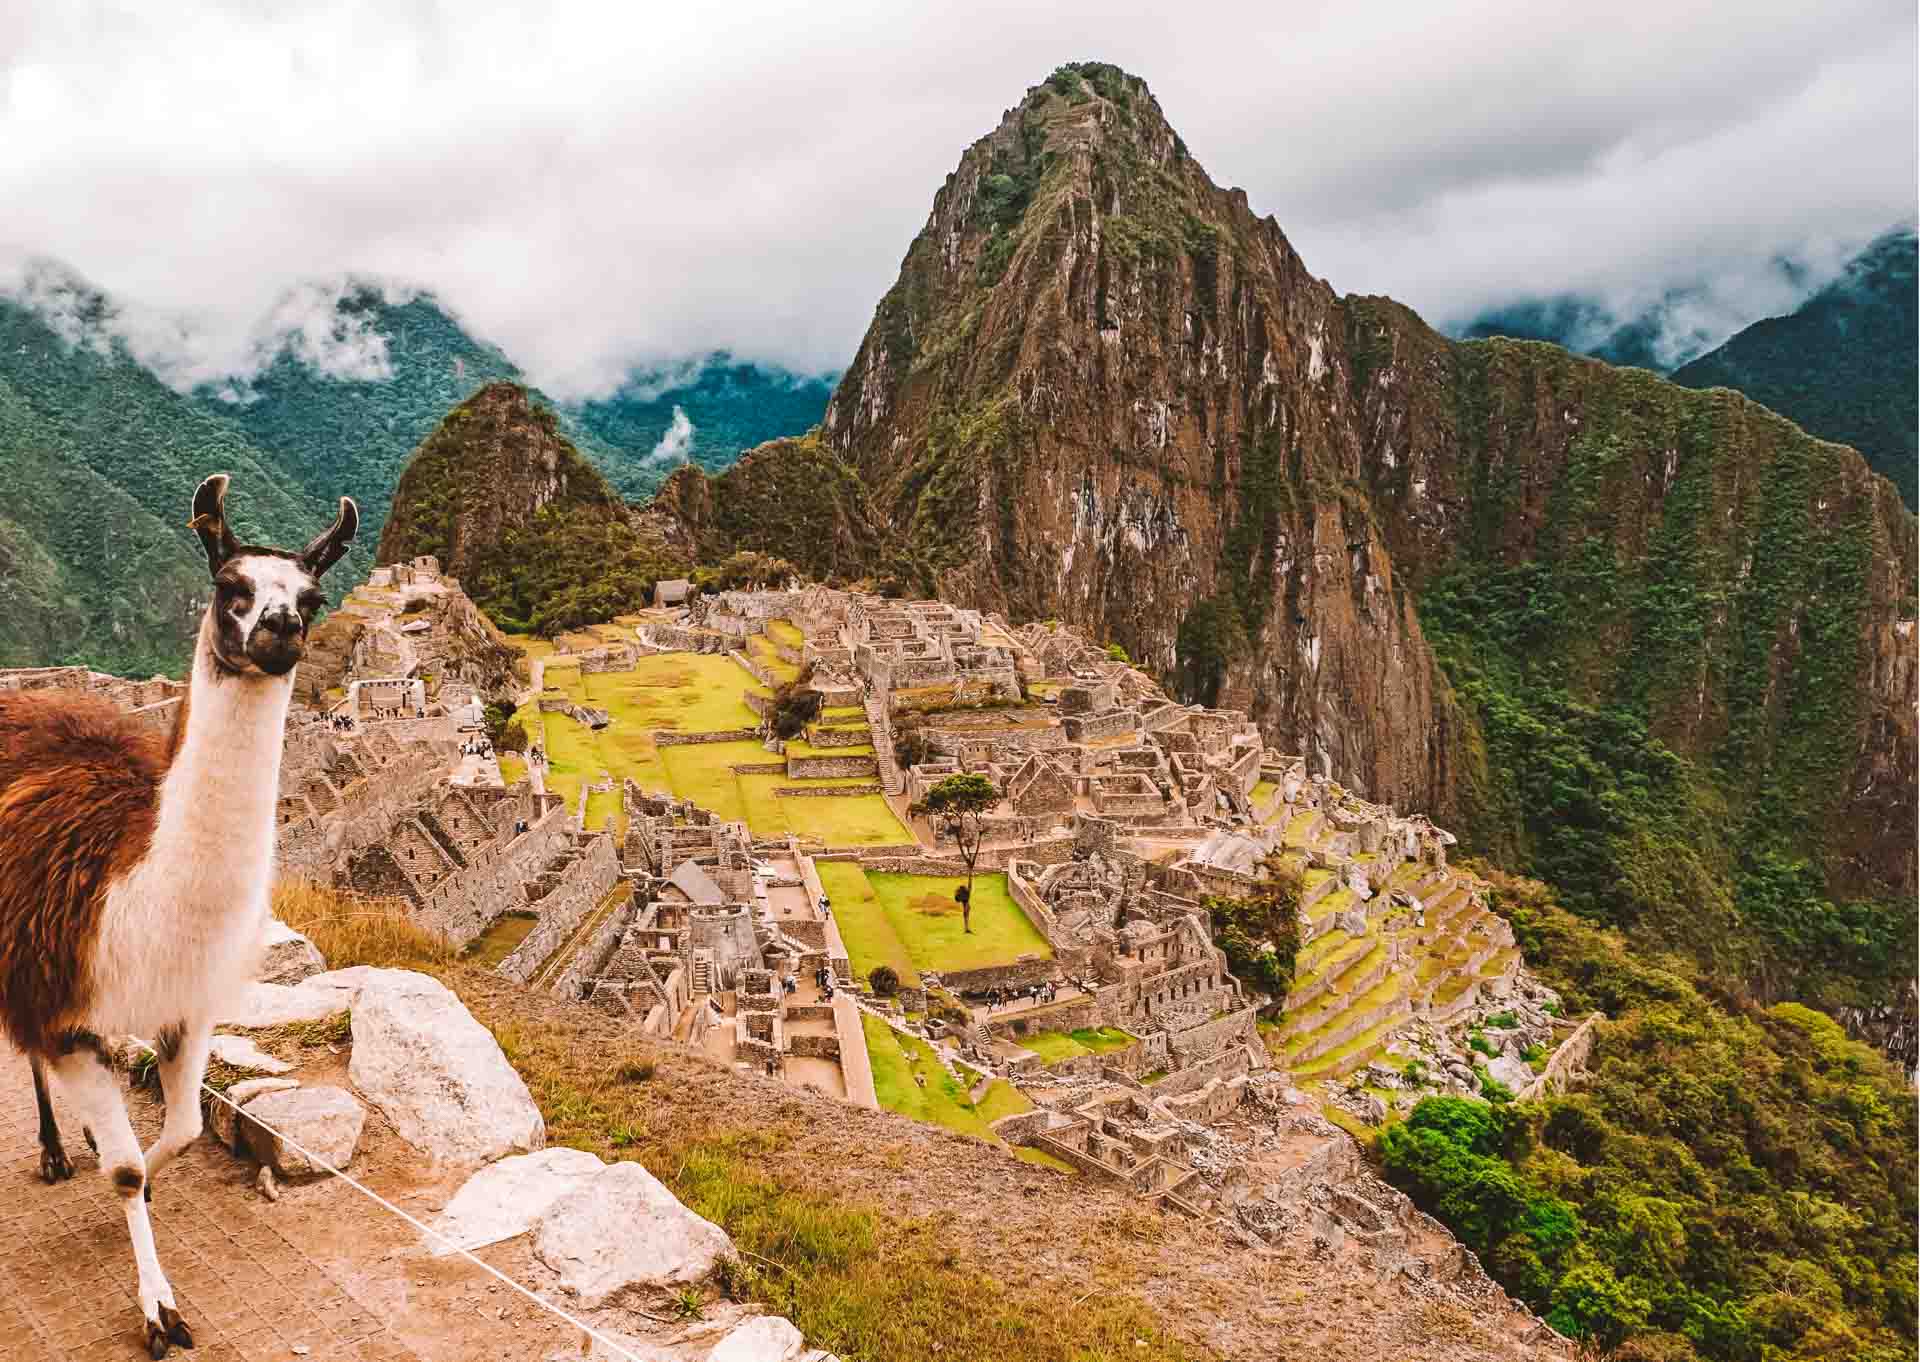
[135,869]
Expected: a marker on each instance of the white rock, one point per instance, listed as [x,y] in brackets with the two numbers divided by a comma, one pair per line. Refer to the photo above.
[764,1338]
[318,998]
[437,1074]
[239,1052]
[505,1198]
[286,956]
[222,1118]
[622,1228]
[1515,1073]
[323,1120]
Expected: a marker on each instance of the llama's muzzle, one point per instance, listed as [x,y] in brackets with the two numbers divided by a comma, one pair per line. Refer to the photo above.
[278,642]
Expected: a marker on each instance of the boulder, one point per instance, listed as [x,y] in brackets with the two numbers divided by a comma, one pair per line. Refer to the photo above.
[238,1052]
[1515,1073]
[622,1228]
[437,1074]
[325,1121]
[320,997]
[287,957]
[764,1338]
[505,1198]
[222,1118]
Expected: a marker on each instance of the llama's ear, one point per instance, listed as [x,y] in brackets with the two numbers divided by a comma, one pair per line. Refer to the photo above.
[210,522]
[331,546]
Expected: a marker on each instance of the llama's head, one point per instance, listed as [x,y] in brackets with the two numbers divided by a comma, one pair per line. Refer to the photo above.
[263,598]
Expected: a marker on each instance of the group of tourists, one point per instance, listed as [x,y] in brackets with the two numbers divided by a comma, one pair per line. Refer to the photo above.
[478,747]
[341,723]
[1007,997]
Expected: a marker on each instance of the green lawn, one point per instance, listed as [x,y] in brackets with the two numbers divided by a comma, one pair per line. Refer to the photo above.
[924,916]
[800,747]
[1054,1046]
[937,1098]
[849,821]
[703,772]
[683,692]
[761,651]
[787,632]
[869,936]
[501,938]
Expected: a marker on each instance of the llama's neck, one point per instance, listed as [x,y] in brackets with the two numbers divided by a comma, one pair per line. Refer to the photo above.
[221,788]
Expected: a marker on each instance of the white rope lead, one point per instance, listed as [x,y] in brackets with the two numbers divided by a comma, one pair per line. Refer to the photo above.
[619,1349]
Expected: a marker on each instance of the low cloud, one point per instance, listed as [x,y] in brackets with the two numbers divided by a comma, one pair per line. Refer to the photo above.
[676,446]
[756,193]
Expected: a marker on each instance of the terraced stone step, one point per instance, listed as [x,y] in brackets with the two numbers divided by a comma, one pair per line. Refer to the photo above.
[1358,976]
[1361,1011]
[1362,1050]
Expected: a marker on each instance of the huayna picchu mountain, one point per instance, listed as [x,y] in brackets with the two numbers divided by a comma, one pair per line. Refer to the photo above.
[1653,644]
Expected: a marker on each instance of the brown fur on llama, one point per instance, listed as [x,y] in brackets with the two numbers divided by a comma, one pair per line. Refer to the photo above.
[135,869]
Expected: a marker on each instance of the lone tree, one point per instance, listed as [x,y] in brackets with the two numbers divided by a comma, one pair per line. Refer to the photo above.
[957,806]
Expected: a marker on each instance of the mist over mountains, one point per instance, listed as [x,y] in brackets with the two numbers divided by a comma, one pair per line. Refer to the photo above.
[119,409]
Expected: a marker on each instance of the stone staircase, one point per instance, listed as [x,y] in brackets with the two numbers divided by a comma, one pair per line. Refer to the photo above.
[702,982]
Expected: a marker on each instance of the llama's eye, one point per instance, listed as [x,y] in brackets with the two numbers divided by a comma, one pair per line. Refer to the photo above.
[241,603]
[311,601]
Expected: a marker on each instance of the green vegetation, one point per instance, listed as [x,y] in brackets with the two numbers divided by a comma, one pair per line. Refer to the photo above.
[924,915]
[910,1079]
[512,508]
[1054,1046]
[864,924]
[1730,1182]
[1260,933]
[1664,709]
[958,806]
[1839,364]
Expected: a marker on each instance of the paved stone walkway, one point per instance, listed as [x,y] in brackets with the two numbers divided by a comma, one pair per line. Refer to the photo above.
[66,1268]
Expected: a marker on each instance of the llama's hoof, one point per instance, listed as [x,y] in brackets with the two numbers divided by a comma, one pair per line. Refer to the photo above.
[169,1330]
[55,1166]
[88,1132]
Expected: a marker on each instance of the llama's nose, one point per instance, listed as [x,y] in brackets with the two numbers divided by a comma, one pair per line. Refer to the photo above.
[281,621]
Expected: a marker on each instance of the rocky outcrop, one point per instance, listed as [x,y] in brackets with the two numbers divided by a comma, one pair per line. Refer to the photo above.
[287,956]
[437,1074]
[623,1229]
[302,1132]
[504,1199]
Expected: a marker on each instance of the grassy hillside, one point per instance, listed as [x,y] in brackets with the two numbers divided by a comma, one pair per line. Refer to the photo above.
[1731,1182]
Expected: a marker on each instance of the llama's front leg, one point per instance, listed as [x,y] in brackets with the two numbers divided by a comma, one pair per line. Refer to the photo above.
[91,1089]
[182,1052]
[55,1166]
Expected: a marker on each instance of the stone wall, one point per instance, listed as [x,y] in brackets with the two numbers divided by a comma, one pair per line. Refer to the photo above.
[667,738]
[575,978]
[1089,727]
[814,1047]
[855,1067]
[1569,1058]
[817,768]
[582,884]
[494,879]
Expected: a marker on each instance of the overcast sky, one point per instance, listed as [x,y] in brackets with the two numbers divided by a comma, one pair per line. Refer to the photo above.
[595,186]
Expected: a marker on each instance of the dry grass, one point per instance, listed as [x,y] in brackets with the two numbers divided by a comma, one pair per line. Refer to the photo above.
[351,929]
[870,1284]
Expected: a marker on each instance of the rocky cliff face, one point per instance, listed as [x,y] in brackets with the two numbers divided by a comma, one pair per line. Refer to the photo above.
[1103,391]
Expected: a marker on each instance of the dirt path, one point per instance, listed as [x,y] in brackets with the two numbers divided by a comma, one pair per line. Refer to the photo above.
[322,1270]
